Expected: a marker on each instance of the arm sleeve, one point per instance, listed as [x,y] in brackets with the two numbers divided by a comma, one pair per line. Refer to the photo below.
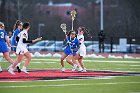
[26,41]
[81,40]
[17,38]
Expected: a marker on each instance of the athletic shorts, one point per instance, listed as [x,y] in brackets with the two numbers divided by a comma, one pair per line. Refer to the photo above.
[3,47]
[21,51]
[68,52]
[82,51]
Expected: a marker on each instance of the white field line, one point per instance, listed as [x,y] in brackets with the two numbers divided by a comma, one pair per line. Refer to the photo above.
[134,68]
[135,65]
[44,62]
[67,85]
[57,60]
[125,68]
[57,85]
[121,83]
[90,60]
[117,61]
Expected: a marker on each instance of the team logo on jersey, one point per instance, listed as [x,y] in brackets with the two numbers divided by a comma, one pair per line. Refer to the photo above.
[22,51]
[73,43]
[25,35]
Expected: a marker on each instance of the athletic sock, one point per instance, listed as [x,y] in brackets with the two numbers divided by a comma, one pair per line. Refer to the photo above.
[23,67]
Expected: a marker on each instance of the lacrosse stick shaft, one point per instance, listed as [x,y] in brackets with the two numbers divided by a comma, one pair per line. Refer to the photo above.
[72,25]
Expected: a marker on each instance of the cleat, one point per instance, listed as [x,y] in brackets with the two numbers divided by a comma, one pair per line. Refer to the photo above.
[80,69]
[0,69]
[18,68]
[11,71]
[84,70]
[25,71]
[63,69]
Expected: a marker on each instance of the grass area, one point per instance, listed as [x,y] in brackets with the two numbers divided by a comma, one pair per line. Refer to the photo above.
[117,84]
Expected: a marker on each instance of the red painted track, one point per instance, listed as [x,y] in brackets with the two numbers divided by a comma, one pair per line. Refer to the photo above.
[54,74]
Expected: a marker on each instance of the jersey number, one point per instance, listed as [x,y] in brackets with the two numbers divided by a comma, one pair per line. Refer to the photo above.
[2,35]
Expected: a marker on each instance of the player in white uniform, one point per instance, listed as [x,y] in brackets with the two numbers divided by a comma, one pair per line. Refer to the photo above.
[22,50]
[82,50]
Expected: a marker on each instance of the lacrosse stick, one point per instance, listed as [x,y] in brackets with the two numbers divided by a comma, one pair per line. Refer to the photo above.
[63,26]
[73,16]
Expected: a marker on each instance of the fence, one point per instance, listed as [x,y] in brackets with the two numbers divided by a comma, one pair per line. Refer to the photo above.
[111,45]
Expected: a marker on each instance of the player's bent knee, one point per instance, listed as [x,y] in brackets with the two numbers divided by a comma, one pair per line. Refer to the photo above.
[68,60]
[62,58]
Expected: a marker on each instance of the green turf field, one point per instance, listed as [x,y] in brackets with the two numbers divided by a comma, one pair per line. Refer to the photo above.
[102,84]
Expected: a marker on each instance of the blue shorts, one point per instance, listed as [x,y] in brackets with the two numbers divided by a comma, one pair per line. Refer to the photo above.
[3,47]
[68,52]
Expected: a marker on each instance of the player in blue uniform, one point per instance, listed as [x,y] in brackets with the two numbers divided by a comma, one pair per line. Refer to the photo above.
[16,30]
[70,50]
[3,44]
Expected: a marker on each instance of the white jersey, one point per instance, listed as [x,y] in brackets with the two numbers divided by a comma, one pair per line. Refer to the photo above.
[22,47]
[81,38]
[82,49]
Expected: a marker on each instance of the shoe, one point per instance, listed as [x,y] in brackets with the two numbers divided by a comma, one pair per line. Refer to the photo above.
[63,69]
[18,68]
[84,70]
[74,67]
[0,69]
[80,69]
[25,71]
[11,71]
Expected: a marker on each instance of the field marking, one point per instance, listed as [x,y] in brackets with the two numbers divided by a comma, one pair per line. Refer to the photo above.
[125,68]
[58,85]
[65,85]
[91,60]
[135,65]
[101,61]
[84,59]
[121,83]
[119,61]
[104,77]
[44,62]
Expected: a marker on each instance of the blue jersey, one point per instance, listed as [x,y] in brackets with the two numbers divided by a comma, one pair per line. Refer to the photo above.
[71,44]
[2,35]
[13,38]
[3,45]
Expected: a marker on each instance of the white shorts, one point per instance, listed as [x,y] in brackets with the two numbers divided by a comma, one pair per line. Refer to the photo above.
[21,51]
[82,50]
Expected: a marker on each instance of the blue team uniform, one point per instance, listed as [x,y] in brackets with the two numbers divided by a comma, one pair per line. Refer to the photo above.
[71,44]
[13,39]
[3,45]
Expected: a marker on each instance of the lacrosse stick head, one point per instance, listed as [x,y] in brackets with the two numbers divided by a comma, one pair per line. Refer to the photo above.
[64,27]
[73,14]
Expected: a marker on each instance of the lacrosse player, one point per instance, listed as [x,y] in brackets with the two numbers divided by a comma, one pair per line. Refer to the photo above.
[22,48]
[70,50]
[3,44]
